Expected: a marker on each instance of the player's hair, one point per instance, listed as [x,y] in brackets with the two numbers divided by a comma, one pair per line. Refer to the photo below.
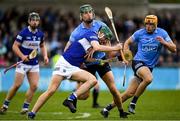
[86,8]
[151,19]
[107,32]
[33,15]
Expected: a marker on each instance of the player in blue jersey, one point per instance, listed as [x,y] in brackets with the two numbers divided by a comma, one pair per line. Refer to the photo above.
[87,16]
[68,67]
[27,40]
[149,41]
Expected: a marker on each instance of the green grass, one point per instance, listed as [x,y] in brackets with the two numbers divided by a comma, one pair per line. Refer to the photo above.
[153,105]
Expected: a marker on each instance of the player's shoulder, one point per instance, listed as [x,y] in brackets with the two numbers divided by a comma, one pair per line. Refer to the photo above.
[161,30]
[99,22]
[40,32]
[24,30]
[140,31]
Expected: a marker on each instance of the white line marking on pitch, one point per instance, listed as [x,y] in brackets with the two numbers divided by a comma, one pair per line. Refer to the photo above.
[81,115]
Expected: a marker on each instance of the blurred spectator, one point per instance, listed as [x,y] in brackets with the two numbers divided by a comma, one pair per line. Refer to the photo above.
[58,25]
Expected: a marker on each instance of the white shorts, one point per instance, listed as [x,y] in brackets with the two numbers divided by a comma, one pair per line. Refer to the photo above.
[64,68]
[24,68]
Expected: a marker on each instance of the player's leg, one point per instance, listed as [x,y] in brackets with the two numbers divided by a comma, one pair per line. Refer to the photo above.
[83,96]
[55,82]
[19,77]
[89,81]
[95,94]
[33,78]
[108,78]
[128,93]
[145,74]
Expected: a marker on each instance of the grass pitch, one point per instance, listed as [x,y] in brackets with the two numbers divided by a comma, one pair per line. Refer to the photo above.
[152,105]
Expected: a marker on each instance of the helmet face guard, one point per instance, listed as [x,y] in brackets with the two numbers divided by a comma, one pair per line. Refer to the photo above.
[151,19]
[33,15]
[105,32]
[86,8]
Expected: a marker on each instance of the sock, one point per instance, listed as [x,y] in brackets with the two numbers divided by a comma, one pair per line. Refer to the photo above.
[109,107]
[6,103]
[121,111]
[134,100]
[95,96]
[26,105]
[72,97]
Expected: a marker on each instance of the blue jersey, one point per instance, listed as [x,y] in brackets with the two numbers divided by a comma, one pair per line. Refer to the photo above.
[81,30]
[30,41]
[148,47]
[78,49]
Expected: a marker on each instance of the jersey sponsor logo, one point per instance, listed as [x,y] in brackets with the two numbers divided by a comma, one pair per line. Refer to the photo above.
[149,48]
[34,44]
[30,44]
[19,37]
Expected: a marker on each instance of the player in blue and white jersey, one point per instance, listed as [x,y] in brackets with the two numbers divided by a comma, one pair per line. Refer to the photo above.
[149,41]
[68,67]
[87,16]
[29,39]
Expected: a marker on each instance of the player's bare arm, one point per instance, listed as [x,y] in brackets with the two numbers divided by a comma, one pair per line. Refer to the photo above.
[169,45]
[44,52]
[67,45]
[17,51]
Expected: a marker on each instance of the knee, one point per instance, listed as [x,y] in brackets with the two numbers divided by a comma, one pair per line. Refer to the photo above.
[148,79]
[16,86]
[114,90]
[93,81]
[34,87]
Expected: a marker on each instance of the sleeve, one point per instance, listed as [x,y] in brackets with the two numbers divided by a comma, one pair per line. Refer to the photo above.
[72,37]
[20,37]
[42,38]
[135,36]
[166,36]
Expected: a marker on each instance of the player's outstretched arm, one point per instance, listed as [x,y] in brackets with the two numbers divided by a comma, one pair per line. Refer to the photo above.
[169,45]
[44,53]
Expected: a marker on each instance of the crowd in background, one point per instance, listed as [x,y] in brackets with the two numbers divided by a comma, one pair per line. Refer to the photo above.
[58,25]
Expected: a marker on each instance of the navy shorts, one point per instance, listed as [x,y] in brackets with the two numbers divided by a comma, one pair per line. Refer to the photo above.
[136,64]
[101,70]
